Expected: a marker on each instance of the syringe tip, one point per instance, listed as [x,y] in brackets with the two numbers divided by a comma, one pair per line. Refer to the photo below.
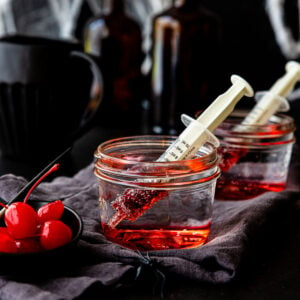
[237,79]
[292,65]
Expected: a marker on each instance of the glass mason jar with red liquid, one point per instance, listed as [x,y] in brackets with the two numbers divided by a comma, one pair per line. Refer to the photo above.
[254,158]
[183,193]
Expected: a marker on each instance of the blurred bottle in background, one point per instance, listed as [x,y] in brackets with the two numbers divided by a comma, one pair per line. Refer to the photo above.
[185,63]
[116,40]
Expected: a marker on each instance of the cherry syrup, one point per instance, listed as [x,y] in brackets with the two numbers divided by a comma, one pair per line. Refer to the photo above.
[144,237]
[244,190]
[229,157]
[240,189]
[133,203]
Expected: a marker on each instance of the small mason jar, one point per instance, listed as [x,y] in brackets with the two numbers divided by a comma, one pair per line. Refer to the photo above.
[150,205]
[254,158]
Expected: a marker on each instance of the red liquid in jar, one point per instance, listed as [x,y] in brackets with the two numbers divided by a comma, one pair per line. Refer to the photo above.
[146,237]
[133,203]
[229,157]
[243,189]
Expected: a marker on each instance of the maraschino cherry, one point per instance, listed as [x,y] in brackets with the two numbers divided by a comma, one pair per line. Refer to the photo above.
[21,220]
[7,243]
[51,211]
[30,231]
[55,233]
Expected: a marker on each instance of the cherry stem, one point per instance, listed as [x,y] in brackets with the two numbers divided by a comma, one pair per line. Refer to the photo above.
[54,168]
[3,205]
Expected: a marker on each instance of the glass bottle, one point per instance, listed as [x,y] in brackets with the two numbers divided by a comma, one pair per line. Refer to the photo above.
[116,40]
[185,63]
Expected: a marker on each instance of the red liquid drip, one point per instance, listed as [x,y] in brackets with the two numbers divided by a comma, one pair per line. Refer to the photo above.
[157,238]
[229,157]
[243,189]
[133,203]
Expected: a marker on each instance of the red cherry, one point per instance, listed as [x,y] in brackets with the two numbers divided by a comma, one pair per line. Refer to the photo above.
[29,245]
[7,243]
[51,211]
[22,223]
[4,230]
[21,220]
[54,234]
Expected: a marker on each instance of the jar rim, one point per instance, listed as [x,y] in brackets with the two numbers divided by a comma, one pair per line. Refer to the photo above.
[279,124]
[110,161]
[141,139]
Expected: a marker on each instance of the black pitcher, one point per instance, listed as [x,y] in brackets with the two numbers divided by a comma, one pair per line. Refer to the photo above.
[49,92]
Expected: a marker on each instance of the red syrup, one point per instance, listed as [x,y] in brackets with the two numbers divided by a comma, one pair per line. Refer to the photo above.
[229,157]
[133,203]
[143,237]
[229,189]
[240,189]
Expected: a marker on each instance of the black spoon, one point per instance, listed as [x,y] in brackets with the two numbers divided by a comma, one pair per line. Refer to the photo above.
[22,193]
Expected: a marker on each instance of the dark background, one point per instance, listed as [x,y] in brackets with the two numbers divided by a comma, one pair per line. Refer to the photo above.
[248,46]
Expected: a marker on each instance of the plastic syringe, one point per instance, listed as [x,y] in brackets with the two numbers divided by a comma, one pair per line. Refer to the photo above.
[197,133]
[268,104]
[274,100]
[199,130]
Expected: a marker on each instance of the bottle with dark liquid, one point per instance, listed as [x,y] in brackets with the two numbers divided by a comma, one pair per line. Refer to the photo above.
[116,40]
[185,63]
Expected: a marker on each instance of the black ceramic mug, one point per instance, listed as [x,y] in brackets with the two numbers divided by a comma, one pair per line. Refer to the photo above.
[49,93]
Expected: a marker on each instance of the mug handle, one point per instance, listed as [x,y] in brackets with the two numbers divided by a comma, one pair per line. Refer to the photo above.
[96,94]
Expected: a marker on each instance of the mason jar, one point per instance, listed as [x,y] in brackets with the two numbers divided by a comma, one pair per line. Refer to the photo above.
[149,205]
[254,158]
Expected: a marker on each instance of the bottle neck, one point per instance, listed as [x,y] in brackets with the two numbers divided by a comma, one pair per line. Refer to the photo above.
[112,6]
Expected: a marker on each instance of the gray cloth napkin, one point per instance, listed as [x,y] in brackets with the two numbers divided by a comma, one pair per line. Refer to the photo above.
[98,262]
